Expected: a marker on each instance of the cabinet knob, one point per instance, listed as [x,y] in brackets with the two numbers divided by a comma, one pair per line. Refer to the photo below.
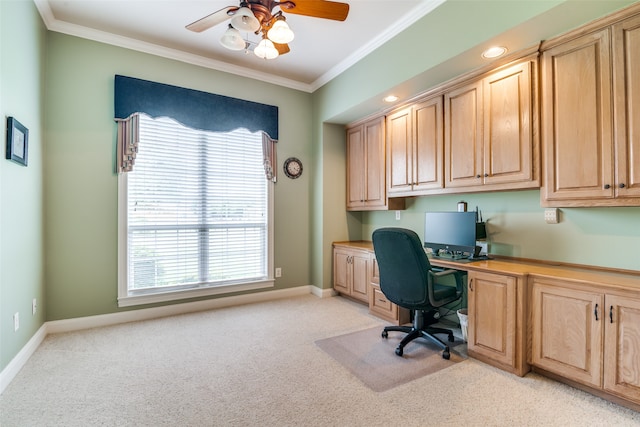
[486,175]
[607,186]
[621,185]
[478,176]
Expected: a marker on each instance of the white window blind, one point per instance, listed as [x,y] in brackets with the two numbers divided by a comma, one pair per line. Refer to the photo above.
[197,209]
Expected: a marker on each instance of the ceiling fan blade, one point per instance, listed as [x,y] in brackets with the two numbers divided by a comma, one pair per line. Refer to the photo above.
[282,48]
[317,8]
[212,20]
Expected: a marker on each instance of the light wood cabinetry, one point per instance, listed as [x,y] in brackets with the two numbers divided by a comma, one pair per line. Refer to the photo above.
[414,148]
[365,166]
[590,105]
[622,346]
[463,139]
[588,334]
[351,272]
[495,330]
[366,180]
[490,143]
[379,305]
[626,89]
[567,332]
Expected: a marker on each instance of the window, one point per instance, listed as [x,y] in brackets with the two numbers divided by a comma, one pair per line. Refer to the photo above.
[195,214]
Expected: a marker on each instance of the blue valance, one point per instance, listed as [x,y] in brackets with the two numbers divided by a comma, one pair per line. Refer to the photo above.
[193,108]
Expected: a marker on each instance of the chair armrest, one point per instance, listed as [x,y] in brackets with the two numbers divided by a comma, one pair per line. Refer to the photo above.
[433,277]
[444,273]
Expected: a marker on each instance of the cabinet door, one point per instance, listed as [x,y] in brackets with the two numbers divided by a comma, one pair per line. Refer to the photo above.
[399,151]
[374,176]
[492,316]
[463,136]
[626,66]
[622,346]
[360,277]
[342,271]
[577,129]
[355,167]
[428,145]
[508,142]
[567,332]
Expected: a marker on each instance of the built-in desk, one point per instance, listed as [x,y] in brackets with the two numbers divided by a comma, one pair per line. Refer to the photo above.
[577,324]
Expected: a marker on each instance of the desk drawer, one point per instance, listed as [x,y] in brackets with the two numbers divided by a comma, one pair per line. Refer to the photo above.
[381,302]
[380,306]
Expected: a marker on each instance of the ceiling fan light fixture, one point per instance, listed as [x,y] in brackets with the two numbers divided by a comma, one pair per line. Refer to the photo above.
[266,50]
[245,20]
[280,32]
[232,39]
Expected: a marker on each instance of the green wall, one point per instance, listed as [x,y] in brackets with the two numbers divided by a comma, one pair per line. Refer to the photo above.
[81,187]
[22,52]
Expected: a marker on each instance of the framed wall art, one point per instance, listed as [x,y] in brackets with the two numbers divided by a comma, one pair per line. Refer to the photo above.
[17,141]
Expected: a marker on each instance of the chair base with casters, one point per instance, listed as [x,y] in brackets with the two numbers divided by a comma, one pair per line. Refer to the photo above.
[418,330]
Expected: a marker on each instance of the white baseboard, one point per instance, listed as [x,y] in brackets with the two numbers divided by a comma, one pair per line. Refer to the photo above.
[323,293]
[11,370]
[79,323]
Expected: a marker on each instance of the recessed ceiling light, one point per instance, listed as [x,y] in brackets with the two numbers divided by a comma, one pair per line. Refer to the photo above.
[390,98]
[494,52]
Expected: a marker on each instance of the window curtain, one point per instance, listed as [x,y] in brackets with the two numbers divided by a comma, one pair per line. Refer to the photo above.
[127,144]
[270,159]
[195,109]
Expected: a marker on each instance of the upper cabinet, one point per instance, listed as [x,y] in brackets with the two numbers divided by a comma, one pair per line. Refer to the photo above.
[473,134]
[414,149]
[490,142]
[626,78]
[591,111]
[366,179]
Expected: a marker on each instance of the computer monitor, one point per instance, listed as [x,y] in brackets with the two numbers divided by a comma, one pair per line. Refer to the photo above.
[453,233]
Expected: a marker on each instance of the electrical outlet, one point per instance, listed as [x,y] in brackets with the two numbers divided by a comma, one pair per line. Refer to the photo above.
[16,321]
[398,215]
[278,272]
[34,307]
[551,216]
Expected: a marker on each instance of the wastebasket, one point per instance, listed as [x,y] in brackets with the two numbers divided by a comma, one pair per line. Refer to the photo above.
[464,322]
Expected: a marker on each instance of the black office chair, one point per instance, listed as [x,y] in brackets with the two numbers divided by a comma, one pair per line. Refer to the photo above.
[406,279]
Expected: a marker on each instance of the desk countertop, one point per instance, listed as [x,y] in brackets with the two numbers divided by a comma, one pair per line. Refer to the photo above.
[543,269]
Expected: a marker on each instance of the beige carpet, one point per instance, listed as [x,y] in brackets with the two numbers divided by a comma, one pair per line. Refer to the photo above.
[259,365]
[373,361]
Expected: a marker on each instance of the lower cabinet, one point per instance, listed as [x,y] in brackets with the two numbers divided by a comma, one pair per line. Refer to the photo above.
[495,332]
[351,272]
[587,334]
[622,346]
[379,305]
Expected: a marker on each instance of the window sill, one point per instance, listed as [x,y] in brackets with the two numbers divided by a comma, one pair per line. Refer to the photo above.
[129,301]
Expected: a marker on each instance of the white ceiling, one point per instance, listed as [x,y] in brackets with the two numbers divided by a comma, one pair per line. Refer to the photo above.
[321,50]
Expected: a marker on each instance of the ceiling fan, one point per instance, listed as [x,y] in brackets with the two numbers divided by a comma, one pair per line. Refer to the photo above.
[258,17]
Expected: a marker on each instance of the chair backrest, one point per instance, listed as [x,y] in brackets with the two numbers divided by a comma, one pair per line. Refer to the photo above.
[403,265]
